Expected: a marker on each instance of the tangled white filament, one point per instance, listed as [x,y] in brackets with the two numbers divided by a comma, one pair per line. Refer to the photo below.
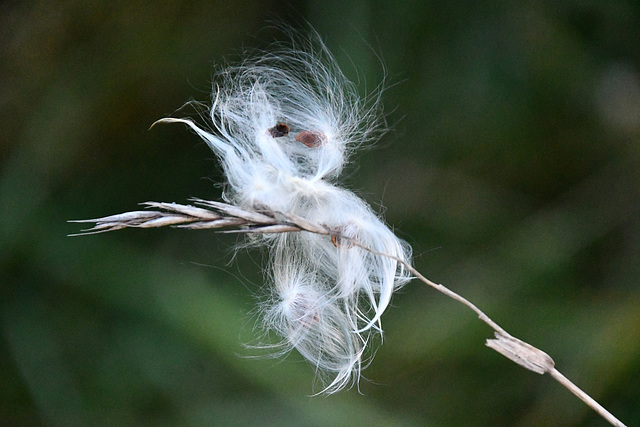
[283,125]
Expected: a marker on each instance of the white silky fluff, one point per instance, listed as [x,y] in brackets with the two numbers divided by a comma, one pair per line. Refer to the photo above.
[326,296]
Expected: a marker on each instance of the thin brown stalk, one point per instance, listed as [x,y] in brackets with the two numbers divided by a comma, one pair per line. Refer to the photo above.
[232,219]
[513,348]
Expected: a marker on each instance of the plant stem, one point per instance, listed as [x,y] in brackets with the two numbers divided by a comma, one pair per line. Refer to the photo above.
[230,218]
[513,348]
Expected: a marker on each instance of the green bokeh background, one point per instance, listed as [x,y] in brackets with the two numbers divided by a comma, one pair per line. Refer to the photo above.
[512,167]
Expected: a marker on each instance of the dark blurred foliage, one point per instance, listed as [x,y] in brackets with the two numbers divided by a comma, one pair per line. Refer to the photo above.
[512,167]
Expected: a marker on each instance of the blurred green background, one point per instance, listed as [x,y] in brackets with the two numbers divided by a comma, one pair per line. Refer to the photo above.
[512,167]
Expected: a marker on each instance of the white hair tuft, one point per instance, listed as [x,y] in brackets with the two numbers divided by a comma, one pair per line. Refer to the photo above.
[283,124]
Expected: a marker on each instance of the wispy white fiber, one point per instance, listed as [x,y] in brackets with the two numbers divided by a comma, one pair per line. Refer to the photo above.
[283,124]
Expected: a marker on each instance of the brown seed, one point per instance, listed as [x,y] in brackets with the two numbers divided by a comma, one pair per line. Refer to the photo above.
[311,138]
[334,240]
[279,130]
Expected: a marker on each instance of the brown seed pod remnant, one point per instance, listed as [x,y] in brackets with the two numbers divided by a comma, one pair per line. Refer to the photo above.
[311,138]
[279,130]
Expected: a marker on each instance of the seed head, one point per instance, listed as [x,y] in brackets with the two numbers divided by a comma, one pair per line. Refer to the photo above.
[283,124]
